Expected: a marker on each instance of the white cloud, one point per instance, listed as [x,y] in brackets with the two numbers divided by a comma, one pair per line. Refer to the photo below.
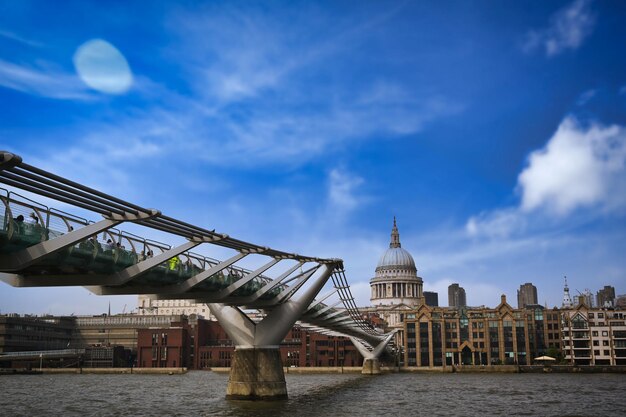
[495,224]
[44,80]
[567,30]
[579,167]
[342,188]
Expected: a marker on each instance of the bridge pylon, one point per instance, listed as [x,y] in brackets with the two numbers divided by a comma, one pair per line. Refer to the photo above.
[256,371]
[371,363]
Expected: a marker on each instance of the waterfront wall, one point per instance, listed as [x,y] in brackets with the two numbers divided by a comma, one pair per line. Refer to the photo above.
[598,369]
[159,371]
[508,369]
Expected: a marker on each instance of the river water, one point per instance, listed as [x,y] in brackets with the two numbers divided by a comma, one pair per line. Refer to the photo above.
[201,393]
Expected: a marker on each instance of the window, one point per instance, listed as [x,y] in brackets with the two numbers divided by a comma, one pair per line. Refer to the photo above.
[591,315]
[596,343]
[605,343]
[605,333]
[600,315]
[607,353]
[594,333]
[596,352]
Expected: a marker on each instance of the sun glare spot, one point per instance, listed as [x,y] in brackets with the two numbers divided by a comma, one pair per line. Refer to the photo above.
[103,67]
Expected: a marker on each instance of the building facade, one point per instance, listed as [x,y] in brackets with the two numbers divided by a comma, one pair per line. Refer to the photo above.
[431,298]
[203,344]
[456,296]
[439,336]
[117,330]
[606,297]
[26,333]
[150,307]
[594,336]
[526,295]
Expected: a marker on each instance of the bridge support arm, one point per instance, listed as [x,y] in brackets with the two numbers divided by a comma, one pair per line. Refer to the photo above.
[256,368]
[371,363]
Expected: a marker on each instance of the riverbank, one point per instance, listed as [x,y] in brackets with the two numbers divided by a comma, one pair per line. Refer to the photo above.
[509,369]
[95,371]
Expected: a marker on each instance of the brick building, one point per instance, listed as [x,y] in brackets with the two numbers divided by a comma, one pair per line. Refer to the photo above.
[202,344]
[439,336]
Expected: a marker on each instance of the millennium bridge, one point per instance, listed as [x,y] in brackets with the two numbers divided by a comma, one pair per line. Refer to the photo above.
[42,246]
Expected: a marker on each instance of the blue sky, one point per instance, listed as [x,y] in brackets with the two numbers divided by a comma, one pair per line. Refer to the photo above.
[494,131]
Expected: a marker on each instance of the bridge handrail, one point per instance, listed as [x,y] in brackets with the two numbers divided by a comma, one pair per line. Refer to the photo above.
[112,233]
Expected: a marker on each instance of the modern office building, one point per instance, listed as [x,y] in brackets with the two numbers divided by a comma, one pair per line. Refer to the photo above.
[440,336]
[431,298]
[31,333]
[456,296]
[606,297]
[526,295]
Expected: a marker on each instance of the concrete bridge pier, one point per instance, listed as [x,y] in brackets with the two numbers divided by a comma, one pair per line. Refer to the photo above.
[256,371]
[256,374]
[371,364]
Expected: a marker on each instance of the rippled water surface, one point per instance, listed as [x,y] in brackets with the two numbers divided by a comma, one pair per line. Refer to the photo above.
[202,394]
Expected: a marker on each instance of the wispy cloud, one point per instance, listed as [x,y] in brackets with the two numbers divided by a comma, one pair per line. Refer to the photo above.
[342,187]
[18,38]
[44,80]
[496,224]
[586,96]
[568,29]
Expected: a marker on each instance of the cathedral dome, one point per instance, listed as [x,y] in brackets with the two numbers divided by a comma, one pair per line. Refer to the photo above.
[396,281]
[396,258]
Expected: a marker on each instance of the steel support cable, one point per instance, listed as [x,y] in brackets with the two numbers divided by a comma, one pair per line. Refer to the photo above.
[180,223]
[44,187]
[340,281]
[154,223]
[81,187]
[83,191]
[56,184]
[43,193]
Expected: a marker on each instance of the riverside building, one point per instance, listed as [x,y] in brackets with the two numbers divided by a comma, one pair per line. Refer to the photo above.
[594,336]
[440,336]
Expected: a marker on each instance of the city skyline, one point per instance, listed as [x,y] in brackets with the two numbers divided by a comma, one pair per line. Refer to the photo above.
[495,134]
